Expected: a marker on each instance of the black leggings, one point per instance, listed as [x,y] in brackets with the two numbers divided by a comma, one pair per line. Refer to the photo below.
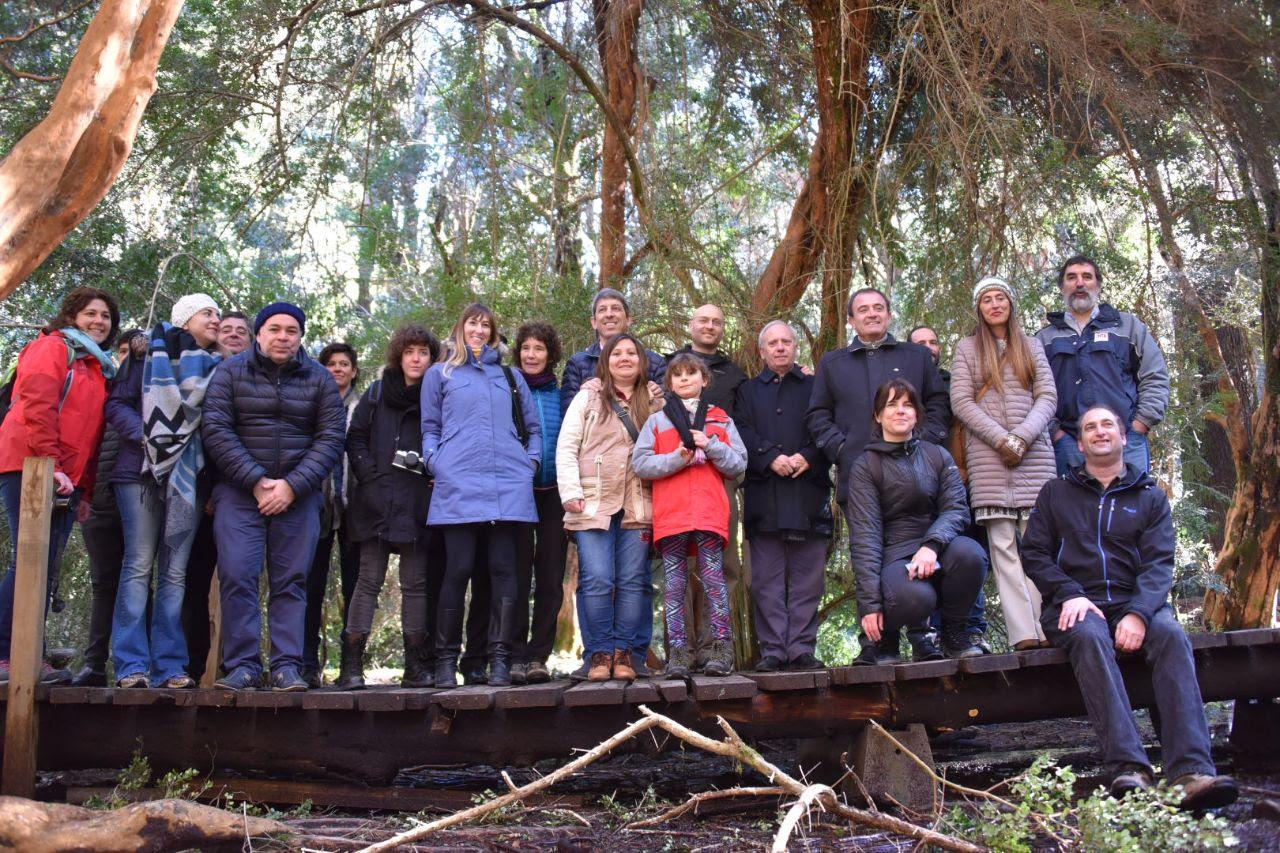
[460,544]
[962,567]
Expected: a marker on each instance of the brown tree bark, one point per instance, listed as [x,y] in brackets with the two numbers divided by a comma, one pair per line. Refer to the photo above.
[823,219]
[62,168]
[617,23]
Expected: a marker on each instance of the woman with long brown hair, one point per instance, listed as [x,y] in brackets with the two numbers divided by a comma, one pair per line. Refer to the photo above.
[607,505]
[1002,391]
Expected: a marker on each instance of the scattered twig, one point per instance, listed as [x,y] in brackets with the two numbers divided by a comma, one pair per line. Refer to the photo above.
[798,810]
[698,799]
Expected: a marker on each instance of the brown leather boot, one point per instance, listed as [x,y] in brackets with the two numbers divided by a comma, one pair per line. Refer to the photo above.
[601,667]
[622,665]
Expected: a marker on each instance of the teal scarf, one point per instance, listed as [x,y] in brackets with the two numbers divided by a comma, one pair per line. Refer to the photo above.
[88,346]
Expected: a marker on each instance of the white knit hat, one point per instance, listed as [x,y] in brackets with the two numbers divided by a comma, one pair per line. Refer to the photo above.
[992,282]
[189,306]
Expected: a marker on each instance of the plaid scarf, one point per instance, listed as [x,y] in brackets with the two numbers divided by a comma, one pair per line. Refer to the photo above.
[174,380]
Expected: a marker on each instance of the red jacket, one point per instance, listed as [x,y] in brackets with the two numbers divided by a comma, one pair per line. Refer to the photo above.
[36,427]
[689,497]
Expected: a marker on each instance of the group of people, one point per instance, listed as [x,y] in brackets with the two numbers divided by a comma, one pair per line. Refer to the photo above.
[227,445]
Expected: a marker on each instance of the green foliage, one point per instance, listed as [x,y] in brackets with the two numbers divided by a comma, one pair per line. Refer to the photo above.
[1045,800]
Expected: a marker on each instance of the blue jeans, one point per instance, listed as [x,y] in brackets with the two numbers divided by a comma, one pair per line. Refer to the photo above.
[1137,452]
[287,543]
[613,577]
[163,654]
[59,532]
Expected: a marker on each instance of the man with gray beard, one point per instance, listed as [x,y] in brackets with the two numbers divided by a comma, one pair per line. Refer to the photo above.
[1101,357]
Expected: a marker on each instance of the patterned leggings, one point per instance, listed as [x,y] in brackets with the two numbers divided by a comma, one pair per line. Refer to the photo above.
[675,551]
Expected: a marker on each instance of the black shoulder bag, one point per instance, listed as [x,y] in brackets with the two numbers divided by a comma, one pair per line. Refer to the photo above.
[517,411]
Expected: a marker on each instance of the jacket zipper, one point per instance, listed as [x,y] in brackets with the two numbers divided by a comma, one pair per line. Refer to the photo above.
[1106,578]
[279,417]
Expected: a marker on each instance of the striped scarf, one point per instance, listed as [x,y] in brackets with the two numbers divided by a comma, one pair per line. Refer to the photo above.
[174,380]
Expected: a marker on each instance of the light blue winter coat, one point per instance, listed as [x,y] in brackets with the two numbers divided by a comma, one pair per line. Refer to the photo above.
[471,447]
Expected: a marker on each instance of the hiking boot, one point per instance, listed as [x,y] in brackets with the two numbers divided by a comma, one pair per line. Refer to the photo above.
[182,681]
[312,676]
[959,644]
[538,673]
[90,677]
[719,659]
[872,654]
[133,681]
[240,678]
[286,680]
[924,647]
[476,673]
[1201,791]
[601,667]
[679,662]
[417,667]
[622,665]
[351,670]
[768,663]
[806,661]
[1128,781]
[501,630]
[520,673]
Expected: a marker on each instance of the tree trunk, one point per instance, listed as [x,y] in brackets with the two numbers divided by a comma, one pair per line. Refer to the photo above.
[616,25]
[62,168]
[823,220]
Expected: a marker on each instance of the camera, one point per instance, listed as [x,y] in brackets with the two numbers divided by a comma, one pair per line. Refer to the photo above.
[409,460]
[61,501]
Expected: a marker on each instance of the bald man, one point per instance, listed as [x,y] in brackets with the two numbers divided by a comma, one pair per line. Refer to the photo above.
[706,331]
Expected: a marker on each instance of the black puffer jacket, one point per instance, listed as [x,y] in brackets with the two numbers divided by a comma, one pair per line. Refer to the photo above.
[901,496]
[384,501]
[284,422]
[104,499]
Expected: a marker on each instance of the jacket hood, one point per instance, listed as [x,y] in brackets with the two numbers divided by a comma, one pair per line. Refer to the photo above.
[893,448]
[1107,315]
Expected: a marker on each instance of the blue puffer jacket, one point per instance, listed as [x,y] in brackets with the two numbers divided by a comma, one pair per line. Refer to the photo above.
[547,401]
[582,366]
[285,422]
[471,447]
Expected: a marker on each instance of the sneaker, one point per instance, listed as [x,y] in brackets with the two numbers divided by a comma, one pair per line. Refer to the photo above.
[980,641]
[129,682]
[89,677]
[959,644]
[1131,780]
[925,647]
[4,671]
[50,675]
[768,663]
[806,661]
[240,678]
[622,665]
[537,673]
[286,680]
[179,682]
[519,673]
[1201,791]
[719,659]
[679,663]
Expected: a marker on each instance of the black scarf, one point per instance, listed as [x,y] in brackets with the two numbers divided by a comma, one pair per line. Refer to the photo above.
[397,394]
[679,417]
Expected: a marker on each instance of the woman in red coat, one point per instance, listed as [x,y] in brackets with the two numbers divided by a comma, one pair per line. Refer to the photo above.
[57,410]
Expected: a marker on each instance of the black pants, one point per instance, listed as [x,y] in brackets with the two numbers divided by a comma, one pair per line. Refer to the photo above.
[462,544]
[541,550]
[195,602]
[318,581]
[962,566]
[374,557]
[104,540]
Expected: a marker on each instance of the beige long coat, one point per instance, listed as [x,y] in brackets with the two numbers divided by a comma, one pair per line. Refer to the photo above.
[1017,410]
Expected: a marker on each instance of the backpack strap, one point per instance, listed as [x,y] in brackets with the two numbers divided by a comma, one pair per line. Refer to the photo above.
[630,425]
[517,411]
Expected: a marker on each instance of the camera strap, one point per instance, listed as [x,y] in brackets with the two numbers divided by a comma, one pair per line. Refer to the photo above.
[517,410]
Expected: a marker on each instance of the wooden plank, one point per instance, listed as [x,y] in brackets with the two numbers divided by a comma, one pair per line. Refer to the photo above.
[821,678]
[22,720]
[1251,637]
[477,697]
[989,663]
[1208,640]
[780,681]
[673,689]
[851,675]
[268,699]
[642,692]
[218,697]
[142,696]
[329,700]
[379,699]
[926,669]
[595,693]
[1042,657]
[530,696]
[69,696]
[709,689]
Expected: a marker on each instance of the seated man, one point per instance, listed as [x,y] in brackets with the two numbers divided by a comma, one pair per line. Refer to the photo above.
[1100,547]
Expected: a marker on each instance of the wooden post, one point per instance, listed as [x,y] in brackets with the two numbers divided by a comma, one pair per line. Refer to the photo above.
[31,590]
[214,661]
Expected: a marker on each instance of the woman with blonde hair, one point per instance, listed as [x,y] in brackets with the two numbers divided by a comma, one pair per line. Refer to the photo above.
[1002,391]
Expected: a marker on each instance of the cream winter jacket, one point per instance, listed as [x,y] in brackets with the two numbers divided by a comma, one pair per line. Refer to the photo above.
[1025,413]
[593,463]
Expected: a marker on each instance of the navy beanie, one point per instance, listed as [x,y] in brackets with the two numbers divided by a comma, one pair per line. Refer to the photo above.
[280,308]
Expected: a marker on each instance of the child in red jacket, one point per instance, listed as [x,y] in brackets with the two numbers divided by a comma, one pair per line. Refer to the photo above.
[689,449]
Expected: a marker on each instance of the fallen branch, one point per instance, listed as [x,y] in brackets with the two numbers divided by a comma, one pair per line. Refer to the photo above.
[698,799]
[798,810]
